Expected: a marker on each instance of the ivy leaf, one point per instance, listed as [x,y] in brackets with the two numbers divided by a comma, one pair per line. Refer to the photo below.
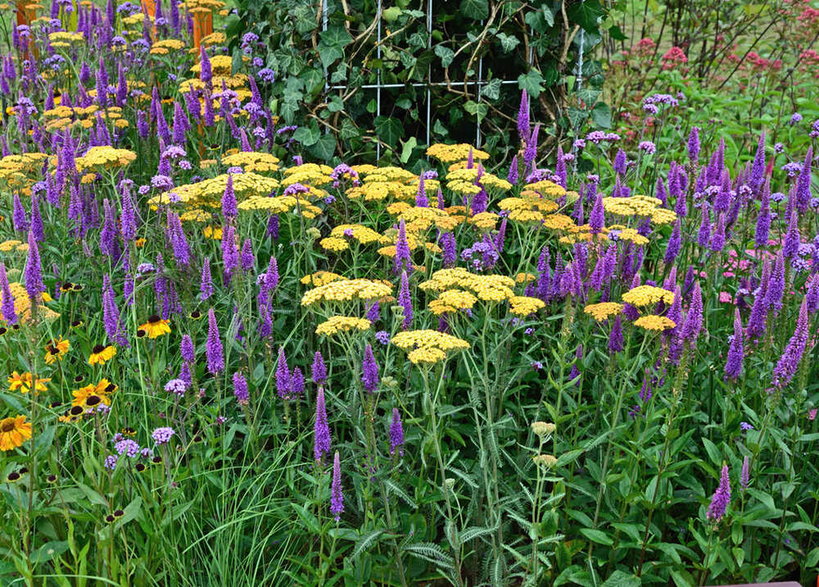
[307,135]
[479,109]
[336,36]
[446,54]
[532,82]
[406,150]
[586,14]
[508,42]
[325,147]
[390,130]
[491,90]
[475,9]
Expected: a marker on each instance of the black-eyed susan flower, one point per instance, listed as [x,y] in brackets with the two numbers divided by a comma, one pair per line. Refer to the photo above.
[24,382]
[88,397]
[105,387]
[101,354]
[56,350]
[14,432]
[73,414]
[76,323]
[66,287]
[155,326]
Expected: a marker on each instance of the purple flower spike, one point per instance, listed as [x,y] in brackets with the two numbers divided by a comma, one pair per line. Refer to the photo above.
[282,376]
[318,369]
[721,498]
[788,363]
[7,304]
[736,353]
[213,348]
[396,433]
[240,390]
[321,430]
[369,367]
[336,494]
[33,272]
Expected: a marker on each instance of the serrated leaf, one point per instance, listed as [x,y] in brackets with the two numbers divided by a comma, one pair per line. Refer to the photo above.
[365,542]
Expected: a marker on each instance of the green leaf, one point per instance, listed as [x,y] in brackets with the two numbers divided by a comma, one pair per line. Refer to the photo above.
[336,36]
[407,148]
[307,135]
[597,536]
[390,130]
[586,14]
[491,90]
[48,551]
[446,54]
[475,9]
[508,42]
[621,579]
[324,147]
[601,115]
[479,109]
[532,82]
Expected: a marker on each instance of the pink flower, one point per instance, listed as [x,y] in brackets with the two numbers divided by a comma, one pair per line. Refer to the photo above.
[812,414]
[725,297]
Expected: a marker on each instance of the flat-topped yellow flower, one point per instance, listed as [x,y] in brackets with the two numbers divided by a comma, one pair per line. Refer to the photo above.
[655,323]
[603,310]
[486,287]
[428,346]
[105,157]
[525,305]
[252,161]
[337,324]
[645,295]
[452,300]
[320,278]
[345,290]
[453,153]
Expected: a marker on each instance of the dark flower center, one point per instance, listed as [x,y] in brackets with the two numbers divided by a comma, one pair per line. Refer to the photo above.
[7,426]
[98,349]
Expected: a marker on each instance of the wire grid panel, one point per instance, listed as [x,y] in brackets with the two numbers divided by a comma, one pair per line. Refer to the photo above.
[428,84]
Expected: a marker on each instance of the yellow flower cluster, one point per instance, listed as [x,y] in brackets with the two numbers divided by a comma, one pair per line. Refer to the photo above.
[642,206]
[655,323]
[62,39]
[334,244]
[237,83]
[645,295]
[216,38]
[320,278]
[420,219]
[528,209]
[308,174]
[338,324]
[209,192]
[252,161]
[428,346]
[545,188]
[361,233]
[484,220]
[603,310]
[20,171]
[13,245]
[494,288]
[525,305]
[22,304]
[219,64]
[452,300]
[454,153]
[281,204]
[345,290]
[463,181]
[105,157]
[165,46]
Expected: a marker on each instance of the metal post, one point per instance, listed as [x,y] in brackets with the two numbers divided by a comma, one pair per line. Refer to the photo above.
[378,80]
[429,73]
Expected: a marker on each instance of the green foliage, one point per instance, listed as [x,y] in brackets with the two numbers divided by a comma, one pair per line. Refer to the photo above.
[470,40]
